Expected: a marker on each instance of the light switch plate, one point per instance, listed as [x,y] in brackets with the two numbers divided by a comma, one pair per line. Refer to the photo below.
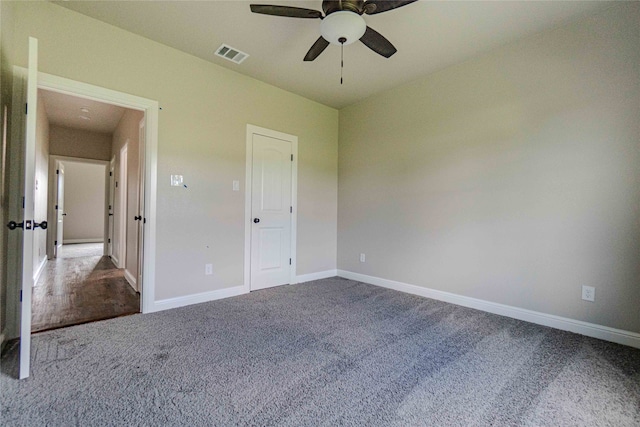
[176,180]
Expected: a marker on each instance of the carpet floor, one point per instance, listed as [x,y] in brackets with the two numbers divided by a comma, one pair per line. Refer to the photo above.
[332,352]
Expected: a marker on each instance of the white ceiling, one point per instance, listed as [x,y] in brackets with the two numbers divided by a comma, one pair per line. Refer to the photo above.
[65,110]
[429,36]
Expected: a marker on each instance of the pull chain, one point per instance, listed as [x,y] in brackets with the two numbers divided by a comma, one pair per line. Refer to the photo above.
[341,40]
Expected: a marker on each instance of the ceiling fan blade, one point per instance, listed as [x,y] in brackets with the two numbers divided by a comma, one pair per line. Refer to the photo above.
[289,12]
[384,5]
[378,43]
[318,47]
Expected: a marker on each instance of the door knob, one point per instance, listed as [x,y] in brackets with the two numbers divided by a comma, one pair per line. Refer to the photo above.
[137,218]
[42,225]
[13,225]
[110,214]
[64,214]
[256,220]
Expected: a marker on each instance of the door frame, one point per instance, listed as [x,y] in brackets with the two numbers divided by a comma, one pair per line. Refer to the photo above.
[150,108]
[54,159]
[253,130]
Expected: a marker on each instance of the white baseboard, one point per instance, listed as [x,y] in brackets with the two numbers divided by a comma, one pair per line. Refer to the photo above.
[73,241]
[39,271]
[316,276]
[130,279]
[166,304]
[606,333]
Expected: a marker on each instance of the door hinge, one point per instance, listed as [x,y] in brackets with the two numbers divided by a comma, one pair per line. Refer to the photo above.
[57,171]
[55,243]
[116,184]
[110,173]
[290,209]
[289,261]
[26,111]
[23,202]
[56,207]
[108,240]
[292,157]
[144,220]
[20,295]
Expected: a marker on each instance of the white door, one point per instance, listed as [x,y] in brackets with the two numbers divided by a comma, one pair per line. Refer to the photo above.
[271,208]
[141,218]
[121,188]
[112,178]
[59,208]
[21,207]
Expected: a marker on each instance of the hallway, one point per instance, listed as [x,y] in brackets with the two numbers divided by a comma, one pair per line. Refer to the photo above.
[81,286]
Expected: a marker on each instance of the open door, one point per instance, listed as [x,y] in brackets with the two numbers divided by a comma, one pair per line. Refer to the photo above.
[112,178]
[59,207]
[140,216]
[21,208]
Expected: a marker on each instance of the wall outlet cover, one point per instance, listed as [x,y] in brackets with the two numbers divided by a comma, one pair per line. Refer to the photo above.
[588,293]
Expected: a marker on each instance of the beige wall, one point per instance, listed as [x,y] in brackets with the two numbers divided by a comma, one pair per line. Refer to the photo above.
[127,133]
[513,177]
[80,143]
[6,37]
[84,198]
[41,185]
[202,136]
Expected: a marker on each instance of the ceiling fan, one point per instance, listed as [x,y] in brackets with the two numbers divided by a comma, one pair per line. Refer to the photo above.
[342,23]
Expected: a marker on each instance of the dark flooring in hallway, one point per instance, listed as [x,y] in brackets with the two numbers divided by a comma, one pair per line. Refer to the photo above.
[81,286]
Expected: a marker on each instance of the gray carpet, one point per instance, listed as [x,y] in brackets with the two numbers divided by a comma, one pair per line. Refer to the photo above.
[331,352]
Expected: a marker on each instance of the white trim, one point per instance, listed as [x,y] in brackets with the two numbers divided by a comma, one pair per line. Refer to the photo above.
[39,271]
[151,109]
[251,130]
[316,276]
[169,303]
[130,279]
[577,326]
[74,241]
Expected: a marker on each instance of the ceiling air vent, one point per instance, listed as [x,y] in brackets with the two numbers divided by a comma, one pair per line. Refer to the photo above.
[231,54]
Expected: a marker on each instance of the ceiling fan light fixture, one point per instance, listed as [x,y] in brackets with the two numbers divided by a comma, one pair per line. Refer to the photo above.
[343,24]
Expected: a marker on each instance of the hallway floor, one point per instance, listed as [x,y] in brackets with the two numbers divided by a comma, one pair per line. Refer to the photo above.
[81,286]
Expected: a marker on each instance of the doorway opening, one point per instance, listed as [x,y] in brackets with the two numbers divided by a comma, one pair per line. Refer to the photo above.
[91,269]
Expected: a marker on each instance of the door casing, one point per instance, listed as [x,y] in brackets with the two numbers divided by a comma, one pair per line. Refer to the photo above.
[251,130]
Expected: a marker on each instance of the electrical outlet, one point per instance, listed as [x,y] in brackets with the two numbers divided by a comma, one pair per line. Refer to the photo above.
[588,293]
[362,258]
[208,269]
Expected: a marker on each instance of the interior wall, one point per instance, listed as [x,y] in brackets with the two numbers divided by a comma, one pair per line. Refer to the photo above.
[127,133]
[41,186]
[6,35]
[80,143]
[202,128]
[512,177]
[84,202]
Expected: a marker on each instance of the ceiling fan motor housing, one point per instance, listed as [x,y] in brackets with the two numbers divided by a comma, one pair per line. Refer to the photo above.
[330,6]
